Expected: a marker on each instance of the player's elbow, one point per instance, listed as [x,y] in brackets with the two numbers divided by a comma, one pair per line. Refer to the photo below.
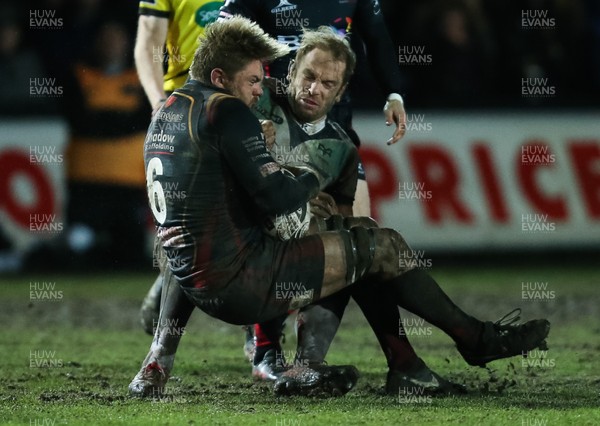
[273,204]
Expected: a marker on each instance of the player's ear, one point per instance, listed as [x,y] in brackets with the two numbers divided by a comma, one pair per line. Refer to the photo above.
[218,78]
[341,92]
[291,70]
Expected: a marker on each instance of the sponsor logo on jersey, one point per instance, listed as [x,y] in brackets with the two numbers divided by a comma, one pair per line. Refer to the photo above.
[208,13]
[170,101]
[269,115]
[325,151]
[169,116]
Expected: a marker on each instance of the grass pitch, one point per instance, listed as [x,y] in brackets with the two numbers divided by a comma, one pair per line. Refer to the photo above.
[70,348]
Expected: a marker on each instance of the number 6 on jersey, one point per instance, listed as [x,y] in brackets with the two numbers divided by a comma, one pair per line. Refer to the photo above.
[156,195]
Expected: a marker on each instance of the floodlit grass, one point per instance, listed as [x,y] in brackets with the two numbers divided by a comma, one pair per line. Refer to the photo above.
[68,358]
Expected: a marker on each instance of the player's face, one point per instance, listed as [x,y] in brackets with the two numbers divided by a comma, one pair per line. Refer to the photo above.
[246,84]
[316,84]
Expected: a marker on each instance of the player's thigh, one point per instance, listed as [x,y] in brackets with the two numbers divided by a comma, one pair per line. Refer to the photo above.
[280,276]
[303,270]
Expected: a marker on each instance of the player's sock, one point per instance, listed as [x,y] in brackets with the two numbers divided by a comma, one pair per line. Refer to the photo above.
[420,294]
[384,319]
[267,335]
[175,311]
[316,326]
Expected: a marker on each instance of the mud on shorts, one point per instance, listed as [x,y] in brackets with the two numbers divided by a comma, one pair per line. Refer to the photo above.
[277,276]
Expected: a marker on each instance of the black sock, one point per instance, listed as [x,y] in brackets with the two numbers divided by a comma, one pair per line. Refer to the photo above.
[418,293]
[382,314]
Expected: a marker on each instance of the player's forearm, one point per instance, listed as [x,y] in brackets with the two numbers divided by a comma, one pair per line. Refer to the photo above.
[385,65]
[381,52]
[150,73]
[345,210]
[242,146]
[149,63]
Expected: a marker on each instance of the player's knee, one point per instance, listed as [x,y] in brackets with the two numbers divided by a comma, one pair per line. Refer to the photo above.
[374,251]
[389,244]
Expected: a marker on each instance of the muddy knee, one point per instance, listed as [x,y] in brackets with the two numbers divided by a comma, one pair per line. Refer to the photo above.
[361,252]
[389,248]
[377,252]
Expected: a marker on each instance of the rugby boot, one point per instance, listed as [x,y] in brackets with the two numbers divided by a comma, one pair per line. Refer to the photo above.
[505,338]
[150,381]
[316,380]
[270,367]
[420,380]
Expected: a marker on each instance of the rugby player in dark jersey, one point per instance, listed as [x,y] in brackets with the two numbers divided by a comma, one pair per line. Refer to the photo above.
[222,259]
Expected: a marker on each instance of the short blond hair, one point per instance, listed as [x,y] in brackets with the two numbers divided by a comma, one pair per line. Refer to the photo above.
[327,39]
[231,44]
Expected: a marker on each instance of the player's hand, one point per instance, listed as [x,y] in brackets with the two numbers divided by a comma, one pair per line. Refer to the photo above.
[268,129]
[394,113]
[323,205]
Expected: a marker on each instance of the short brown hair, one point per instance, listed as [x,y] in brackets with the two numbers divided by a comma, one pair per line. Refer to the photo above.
[231,44]
[327,39]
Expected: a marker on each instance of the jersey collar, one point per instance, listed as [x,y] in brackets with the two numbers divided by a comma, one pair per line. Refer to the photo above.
[313,128]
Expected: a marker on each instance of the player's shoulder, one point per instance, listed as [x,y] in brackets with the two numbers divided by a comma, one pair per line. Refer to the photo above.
[228,110]
[216,99]
[339,133]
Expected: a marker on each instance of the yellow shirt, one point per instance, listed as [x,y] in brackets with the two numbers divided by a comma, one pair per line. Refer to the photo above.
[187,19]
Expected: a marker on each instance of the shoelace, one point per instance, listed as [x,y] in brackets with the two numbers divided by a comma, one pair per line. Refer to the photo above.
[507,320]
[510,318]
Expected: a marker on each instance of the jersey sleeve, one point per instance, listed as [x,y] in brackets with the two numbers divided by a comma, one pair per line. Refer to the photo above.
[243,147]
[380,48]
[245,8]
[160,8]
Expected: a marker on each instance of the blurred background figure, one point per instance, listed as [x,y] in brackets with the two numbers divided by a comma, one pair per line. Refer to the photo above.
[460,74]
[18,63]
[108,117]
